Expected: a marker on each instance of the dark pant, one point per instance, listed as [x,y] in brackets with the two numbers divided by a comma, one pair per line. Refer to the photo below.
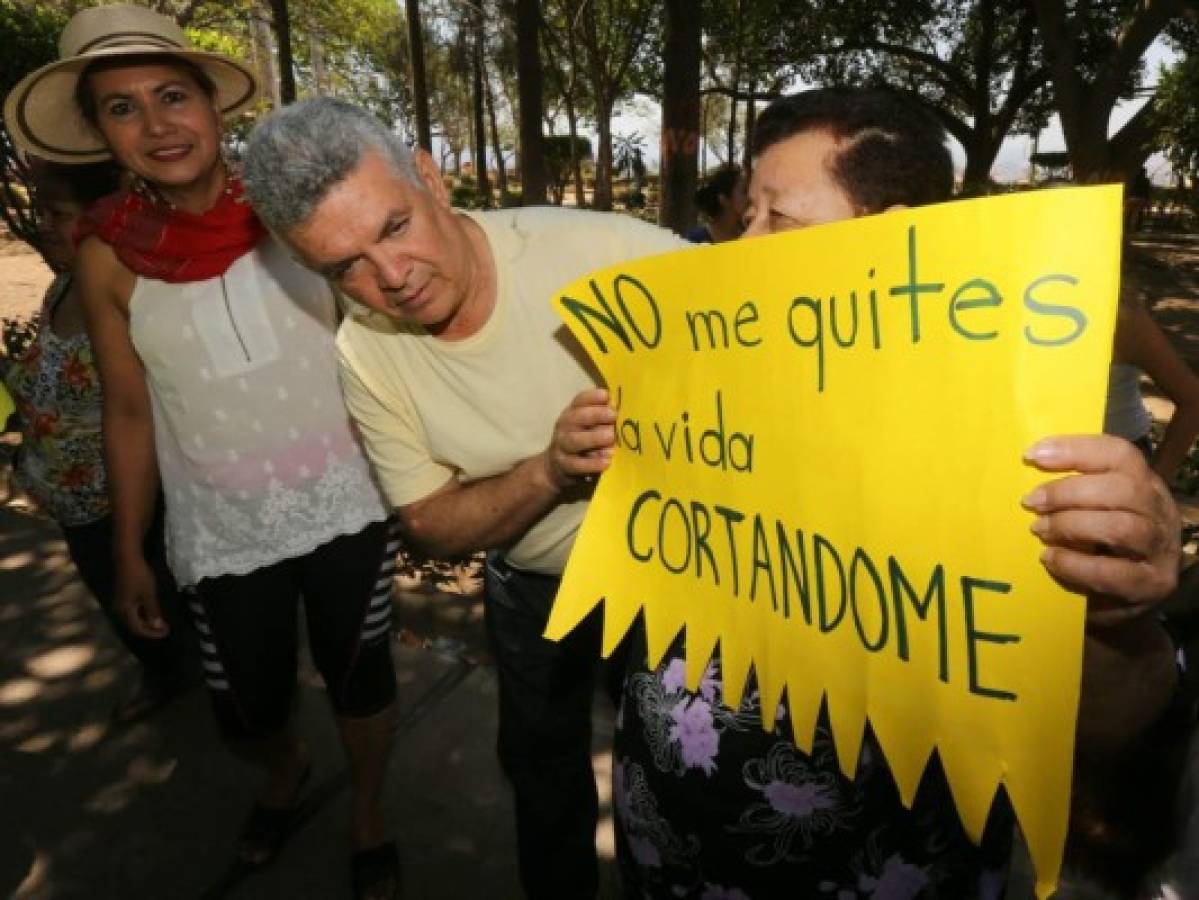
[249,632]
[545,732]
[169,662]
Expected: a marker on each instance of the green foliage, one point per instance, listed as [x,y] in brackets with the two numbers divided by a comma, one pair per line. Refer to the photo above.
[1177,116]
[466,196]
[557,160]
[29,36]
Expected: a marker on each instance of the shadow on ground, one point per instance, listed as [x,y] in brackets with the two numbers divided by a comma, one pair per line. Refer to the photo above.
[151,810]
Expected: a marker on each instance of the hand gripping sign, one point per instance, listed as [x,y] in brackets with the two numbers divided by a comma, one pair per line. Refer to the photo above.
[819,466]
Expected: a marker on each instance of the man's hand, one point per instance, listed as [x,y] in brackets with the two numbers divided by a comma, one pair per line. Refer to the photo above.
[583,439]
[137,599]
[1112,531]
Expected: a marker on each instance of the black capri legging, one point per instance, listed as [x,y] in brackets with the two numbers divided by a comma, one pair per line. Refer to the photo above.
[247,627]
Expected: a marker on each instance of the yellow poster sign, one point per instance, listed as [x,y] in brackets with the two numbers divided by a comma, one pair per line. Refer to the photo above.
[819,465]
[6,406]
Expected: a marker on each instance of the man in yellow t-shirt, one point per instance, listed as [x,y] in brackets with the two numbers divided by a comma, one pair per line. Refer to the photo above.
[478,412]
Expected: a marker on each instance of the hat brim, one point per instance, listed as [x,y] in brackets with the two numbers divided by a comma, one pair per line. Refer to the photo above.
[43,118]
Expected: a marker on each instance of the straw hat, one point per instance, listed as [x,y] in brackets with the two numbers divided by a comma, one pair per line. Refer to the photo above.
[41,113]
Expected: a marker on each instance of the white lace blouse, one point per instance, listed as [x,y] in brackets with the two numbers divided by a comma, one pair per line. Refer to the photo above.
[258,457]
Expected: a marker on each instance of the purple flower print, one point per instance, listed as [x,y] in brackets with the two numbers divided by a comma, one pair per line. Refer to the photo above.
[898,880]
[674,677]
[709,684]
[799,800]
[695,734]
[674,680]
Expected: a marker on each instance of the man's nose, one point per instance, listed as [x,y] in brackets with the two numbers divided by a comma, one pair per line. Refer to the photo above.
[392,270]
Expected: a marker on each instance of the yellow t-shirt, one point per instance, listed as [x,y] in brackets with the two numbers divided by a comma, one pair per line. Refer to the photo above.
[430,410]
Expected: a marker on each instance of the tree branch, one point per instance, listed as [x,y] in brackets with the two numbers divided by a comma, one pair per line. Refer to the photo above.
[954,79]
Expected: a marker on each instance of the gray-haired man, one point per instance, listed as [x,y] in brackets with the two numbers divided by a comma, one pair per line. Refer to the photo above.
[478,416]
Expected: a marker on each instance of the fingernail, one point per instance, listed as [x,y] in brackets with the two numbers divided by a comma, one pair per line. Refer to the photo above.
[1039,526]
[1034,499]
[1043,451]
[1047,555]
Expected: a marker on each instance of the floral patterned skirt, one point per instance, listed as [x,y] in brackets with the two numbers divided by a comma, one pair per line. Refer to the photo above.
[710,806]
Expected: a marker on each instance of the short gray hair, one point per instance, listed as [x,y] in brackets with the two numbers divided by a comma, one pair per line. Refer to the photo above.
[294,157]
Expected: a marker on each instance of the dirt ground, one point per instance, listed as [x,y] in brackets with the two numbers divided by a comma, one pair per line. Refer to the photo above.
[23,279]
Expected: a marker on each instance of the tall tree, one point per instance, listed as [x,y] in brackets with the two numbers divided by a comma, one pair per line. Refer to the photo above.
[753,49]
[1113,37]
[533,174]
[679,153]
[478,77]
[565,67]
[281,25]
[420,89]
[610,35]
[976,66]
[501,166]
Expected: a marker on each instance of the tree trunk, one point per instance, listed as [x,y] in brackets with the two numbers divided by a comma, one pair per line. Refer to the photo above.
[533,175]
[480,134]
[281,23]
[981,151]
[751,113]
[264,55]
[420,87]
[731,147]
[576,164]
[501,168]
[680,115]
[1133,144]
[736,86]
[1084,100]
[601,199]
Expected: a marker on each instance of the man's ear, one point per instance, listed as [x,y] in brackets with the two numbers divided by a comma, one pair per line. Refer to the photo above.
[430,175]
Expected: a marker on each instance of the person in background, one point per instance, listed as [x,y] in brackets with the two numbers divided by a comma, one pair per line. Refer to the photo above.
[220,383]
[61,463]
[1141,347]
[721,202]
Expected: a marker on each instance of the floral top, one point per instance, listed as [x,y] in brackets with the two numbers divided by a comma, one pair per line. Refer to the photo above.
[711,807]
[56,389]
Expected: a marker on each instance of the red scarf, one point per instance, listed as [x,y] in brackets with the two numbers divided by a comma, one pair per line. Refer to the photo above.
[156,241]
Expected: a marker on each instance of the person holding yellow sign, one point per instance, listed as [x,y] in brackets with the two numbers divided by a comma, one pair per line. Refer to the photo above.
[710,805]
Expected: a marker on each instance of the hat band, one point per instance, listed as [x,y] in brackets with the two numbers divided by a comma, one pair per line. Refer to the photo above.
[127,39]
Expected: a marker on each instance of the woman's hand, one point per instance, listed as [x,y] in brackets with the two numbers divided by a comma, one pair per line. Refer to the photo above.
[1111,531]
[137,599]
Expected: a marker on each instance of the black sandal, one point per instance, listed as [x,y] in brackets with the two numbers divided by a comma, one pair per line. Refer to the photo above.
[375,873]
[267,828]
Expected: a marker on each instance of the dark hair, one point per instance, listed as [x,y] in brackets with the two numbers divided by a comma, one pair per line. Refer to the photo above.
[86,102]
[720,183]
[82,184]
[891,151]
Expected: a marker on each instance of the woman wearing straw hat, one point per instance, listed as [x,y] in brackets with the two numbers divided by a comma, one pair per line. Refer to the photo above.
[215,350]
